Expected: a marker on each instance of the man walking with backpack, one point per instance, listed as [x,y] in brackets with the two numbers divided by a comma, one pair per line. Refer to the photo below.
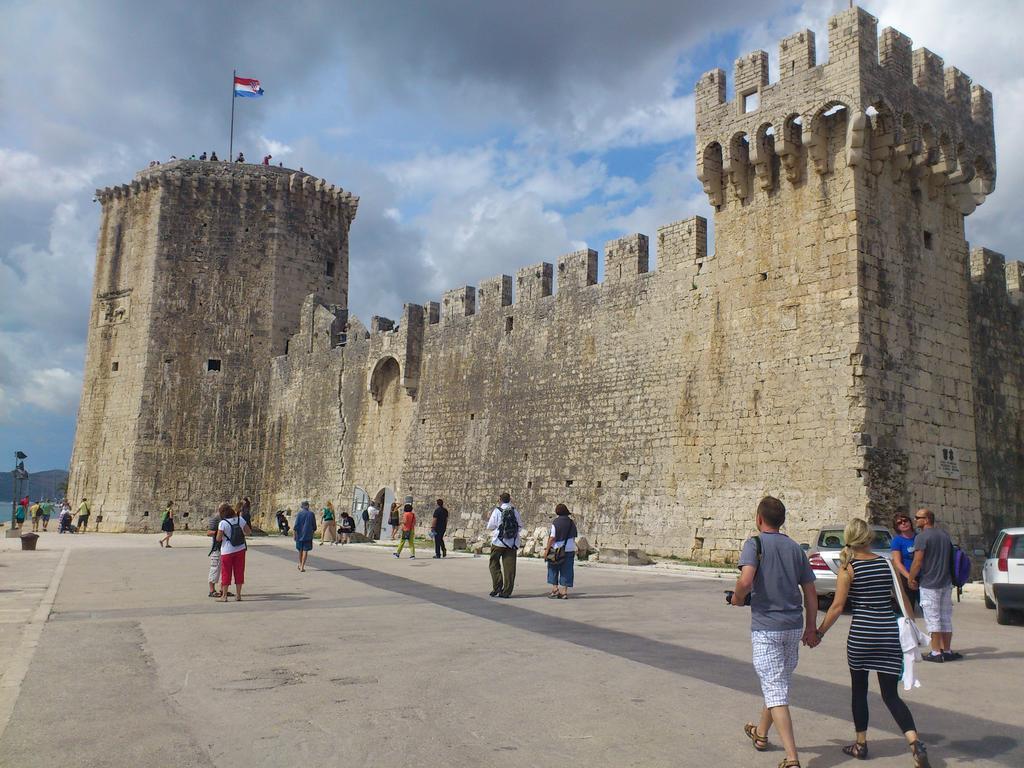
[506,524]
[931,573]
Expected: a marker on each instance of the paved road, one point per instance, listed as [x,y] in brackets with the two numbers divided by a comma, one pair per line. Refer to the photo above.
[366,660]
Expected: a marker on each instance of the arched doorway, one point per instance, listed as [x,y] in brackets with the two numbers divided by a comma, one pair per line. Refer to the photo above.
[383,500]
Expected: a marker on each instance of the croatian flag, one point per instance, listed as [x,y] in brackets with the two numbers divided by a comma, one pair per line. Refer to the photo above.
[248,87]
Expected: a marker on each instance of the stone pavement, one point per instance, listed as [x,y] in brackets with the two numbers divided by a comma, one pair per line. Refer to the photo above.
[366,660]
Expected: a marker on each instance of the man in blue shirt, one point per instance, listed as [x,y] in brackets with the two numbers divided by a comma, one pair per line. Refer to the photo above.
[305,527]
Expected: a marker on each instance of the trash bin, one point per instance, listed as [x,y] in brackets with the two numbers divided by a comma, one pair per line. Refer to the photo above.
[28,541]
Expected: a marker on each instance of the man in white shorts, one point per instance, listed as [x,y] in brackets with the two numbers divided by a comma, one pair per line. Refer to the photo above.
[930,571]
[776,574]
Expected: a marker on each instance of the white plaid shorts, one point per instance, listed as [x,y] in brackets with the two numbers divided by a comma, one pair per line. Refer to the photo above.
[775,658]
[214,566]
[937,607]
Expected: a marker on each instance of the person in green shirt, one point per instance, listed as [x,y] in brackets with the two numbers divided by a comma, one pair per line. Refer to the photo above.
[330,529]
[83,515]
[47,512]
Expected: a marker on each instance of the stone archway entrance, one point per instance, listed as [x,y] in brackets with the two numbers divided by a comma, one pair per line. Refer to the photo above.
[383,500]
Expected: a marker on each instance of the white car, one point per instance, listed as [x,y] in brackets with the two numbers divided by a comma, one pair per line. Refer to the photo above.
[824,557]
[1004,575]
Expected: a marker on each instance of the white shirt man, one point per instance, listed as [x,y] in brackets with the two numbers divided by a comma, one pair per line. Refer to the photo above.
[504,548]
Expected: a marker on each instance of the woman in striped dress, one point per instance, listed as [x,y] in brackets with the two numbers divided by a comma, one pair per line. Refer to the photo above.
[865,579]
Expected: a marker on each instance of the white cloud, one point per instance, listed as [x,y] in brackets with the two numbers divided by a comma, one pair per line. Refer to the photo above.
[278,149]
[52,389]
[26,176]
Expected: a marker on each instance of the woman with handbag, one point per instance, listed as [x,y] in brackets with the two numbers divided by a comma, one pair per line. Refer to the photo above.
[866,580]
[560,553]
[167,525]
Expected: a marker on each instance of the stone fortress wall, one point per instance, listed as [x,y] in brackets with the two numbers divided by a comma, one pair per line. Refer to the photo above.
[840,348]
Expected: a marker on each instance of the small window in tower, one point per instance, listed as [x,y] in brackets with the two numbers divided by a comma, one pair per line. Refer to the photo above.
[114,366]
[928,240]
[472,416]
[568,483]
[624,476]
[330,268]
[529,485]
[212,365]
[751,101]
[508,325]
[598,483]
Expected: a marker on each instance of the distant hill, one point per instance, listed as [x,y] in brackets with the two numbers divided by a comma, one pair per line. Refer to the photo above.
[41,485]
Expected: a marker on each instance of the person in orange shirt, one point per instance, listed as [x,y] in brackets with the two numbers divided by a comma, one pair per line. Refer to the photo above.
[408,532]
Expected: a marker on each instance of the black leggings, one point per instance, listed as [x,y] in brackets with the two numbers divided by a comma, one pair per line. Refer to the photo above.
[890,695]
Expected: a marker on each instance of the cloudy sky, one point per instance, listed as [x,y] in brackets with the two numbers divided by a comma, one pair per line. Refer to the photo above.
[481,136]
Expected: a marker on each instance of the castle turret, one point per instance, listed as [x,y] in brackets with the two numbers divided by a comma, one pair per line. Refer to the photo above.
[840,192]
[201,271]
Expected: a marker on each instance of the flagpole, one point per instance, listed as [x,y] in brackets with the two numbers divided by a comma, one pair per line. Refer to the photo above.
[231,140]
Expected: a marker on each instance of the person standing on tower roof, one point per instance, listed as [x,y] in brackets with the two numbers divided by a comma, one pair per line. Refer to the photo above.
[240,158]
[202,156]
[213,156]
[267,159]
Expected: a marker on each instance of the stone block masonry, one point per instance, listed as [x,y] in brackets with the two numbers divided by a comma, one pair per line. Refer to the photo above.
[841,348]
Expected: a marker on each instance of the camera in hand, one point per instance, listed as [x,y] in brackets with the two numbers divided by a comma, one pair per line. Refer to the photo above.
[728,597]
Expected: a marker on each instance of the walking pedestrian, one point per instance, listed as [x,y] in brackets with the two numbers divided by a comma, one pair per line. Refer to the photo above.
[36,512]
[408,524]
[903,555]
[505,542]
[393,520]
[19,514]
[438,526]
[348,527]
[774,571]
[330,525]
[873,644]
[47,513]
[931,573]
[305,527]
[167,525]
[214,554]
[231,533]
[83,515]
[560,553]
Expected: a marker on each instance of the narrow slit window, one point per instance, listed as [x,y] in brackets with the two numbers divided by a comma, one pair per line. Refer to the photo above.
[114,365]
[212,365]
[927,240]
[330,269]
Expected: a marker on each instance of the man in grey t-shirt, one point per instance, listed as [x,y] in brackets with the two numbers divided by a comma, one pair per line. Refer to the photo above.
[933,551]
[783,612]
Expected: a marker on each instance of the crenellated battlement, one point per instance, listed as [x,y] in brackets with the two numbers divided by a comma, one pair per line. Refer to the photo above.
[996,278]
[203,178]
[682,245]
[877,104]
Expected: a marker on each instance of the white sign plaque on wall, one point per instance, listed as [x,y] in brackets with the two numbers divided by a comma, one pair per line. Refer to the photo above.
[947,462]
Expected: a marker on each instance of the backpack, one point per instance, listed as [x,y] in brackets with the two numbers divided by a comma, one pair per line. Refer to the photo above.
[236,536]
[366,516]
[959,569]
[508,529]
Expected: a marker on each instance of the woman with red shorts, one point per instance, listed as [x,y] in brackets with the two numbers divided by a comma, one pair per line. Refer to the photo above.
[231,533]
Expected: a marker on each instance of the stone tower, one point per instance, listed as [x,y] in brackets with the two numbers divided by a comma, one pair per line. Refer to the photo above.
[840,193]
[201,271]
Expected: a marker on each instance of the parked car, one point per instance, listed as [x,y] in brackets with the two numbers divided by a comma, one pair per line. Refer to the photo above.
[824,556]
[1003,575]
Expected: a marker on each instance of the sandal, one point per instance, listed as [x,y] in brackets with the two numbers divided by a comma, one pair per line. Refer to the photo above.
[760,742]
[552,595]
[787,763]
[858,750]
[920,754]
